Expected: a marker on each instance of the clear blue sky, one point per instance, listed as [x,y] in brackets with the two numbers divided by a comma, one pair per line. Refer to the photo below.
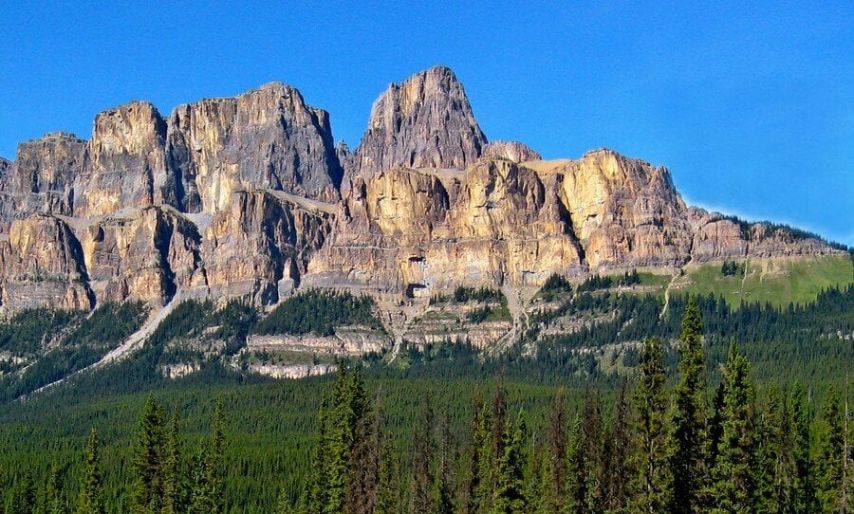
[750,104]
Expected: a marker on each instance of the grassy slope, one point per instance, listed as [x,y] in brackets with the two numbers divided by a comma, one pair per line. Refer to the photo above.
[777,281]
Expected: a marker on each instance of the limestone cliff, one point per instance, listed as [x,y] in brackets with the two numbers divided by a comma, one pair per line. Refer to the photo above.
[250,197]
[266,138]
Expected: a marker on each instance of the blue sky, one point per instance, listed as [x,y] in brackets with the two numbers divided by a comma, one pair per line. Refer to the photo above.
[750,104]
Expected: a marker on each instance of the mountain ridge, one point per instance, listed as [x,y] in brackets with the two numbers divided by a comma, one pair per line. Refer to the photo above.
[250,197]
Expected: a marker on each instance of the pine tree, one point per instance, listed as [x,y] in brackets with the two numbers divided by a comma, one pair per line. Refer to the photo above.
[420,482]
[54,500]
[733,481]
[471,493]
[215,464]
[443,497]
[831,458]
[689,418]
[23,497]
[591,446]
[509,496]
[147,462]
[653,483]
[345,412]
[388,501]
[171,471]
[91,500]
[556,460]
[618,454]
[363,475]
[803,490]
[764,464]
[201,501]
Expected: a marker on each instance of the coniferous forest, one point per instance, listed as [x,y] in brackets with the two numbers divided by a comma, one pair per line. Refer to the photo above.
[676,435]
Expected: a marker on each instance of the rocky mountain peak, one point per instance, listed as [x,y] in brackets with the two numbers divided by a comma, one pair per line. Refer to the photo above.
[510,150]
[424,122]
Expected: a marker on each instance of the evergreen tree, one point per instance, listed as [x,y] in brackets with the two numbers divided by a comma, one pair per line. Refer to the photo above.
[342,419]
[91,500]
[215,465]
[171,472]
[201,498]
[618,451]
[803,490]
[733,481]
[443,496]
[509,496]
[831,458]
[54,499]
[363,475]
[388,498]
[556,461]
[653,482]
[471,493]
[591,445]
[23,498]
[689,417]
[420,482]
[147,462]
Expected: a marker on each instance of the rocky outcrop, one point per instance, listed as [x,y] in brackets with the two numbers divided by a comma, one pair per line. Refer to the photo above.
[41,265]
[719,237]
[408,229]
[125,164]
[513,151]
[250,197]
[147,254]
[266,138]
[261,245]
[42,177]
[625,212]
[425,122]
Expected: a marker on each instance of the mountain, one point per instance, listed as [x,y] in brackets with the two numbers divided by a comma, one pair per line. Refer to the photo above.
[249,198]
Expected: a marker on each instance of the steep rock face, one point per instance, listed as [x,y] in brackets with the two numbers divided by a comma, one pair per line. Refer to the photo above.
[260,246]
[41,179]
[407,229]
[41,265]
[266,138]
[625,212]
[146,255]
[125,163]
[510,150]
[719,237]
[424,122]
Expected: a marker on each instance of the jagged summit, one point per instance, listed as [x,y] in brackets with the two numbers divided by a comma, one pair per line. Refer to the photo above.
[425,121]
[250,197]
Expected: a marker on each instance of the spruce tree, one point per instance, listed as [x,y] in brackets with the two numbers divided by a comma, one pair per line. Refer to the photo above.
[421,481]
[147,462]
[443,491]
[347,408]
[732,488]
[91,500]
[803,488]
[618,453]
[23,497]
[509,496]
[592,443]
[831,458]
[215,464]
[689,417]
[556,465]
[653,487]
[171,472]
[201,501]
[54,499]
[364,463]
[471,494]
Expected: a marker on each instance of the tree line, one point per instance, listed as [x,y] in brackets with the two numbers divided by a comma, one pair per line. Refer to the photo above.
[649,448]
